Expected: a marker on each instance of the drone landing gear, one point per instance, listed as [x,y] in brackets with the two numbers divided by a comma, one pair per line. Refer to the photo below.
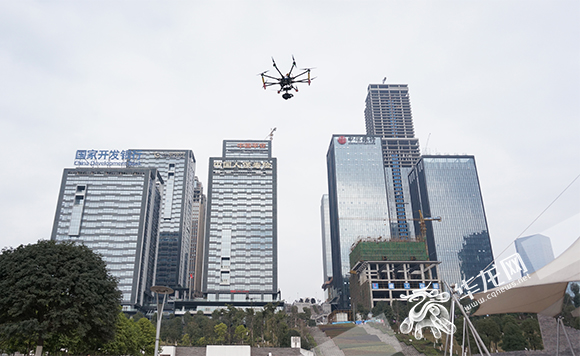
[287,95]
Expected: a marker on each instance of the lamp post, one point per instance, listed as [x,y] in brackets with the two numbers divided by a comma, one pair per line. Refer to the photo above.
[160,290]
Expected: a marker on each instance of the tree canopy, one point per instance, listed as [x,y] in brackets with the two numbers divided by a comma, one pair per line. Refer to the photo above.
[52,293]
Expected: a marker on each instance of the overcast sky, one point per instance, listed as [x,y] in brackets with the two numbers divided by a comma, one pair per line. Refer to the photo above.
[496,79]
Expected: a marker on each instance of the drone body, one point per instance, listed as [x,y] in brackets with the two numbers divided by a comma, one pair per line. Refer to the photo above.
[286,82]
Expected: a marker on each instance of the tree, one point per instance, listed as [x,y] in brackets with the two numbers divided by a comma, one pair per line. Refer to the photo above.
[489,331]
[171,330]
[241,334]
[126,341]
[575,288]
[531,329]
[363,311]
[50,292]
[513,339]
[221,329]
[146,339]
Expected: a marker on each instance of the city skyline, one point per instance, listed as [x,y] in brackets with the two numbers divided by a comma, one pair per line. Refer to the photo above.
[82,76]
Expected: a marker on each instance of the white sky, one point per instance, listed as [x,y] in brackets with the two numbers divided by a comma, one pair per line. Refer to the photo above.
[496,79]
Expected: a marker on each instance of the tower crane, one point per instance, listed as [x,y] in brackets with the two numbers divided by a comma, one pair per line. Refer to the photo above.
[422,224]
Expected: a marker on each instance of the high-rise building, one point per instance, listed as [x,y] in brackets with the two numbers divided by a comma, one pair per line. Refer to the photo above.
[196,254]
[114,212]
[240,252]
[177,168]
[357,202]
[448,186]
[535,251]
[326,244]
[388,115]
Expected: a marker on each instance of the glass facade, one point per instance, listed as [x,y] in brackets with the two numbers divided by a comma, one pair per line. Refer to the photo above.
[240,249]
[357,201]
[535,251]
[448,186]
[115,212]
[195,263]
[388,115]
[177,168]
[326,244]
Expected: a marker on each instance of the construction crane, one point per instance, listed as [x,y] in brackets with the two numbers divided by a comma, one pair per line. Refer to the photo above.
[271,134]
[423,227]
[421,221]
[422,224]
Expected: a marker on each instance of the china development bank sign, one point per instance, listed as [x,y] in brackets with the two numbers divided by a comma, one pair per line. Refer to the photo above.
[108,158]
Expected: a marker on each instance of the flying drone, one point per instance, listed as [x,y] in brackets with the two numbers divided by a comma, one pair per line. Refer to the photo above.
[286,82]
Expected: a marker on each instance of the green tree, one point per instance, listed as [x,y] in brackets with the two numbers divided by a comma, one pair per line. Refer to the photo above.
[50,292]
[146,339]
[171,330]
[241,334]
[363,311]
[513,339]
[221,329]
[126,338]
[575,288]
[489,331]
[531,329]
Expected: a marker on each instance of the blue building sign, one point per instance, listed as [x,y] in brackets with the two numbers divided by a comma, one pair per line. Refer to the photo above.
[407,285]
[435,285]
[375,286]
[421,285]
[391,285]
[108,158]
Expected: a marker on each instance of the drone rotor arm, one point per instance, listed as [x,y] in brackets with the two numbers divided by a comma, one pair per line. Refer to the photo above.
[270,77]
[275,66]
[306,71]
[293,66]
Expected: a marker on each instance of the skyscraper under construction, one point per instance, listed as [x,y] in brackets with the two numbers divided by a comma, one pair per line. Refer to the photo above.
[388,115]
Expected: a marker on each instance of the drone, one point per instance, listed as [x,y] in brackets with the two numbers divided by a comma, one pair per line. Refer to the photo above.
[286,82]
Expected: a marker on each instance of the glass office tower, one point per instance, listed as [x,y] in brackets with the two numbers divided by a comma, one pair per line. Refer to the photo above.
[177,168]
[240,251]
[448,186]
[196,254]
[357,202]
[326,244]
[114,212]
[388,115]
[535,251]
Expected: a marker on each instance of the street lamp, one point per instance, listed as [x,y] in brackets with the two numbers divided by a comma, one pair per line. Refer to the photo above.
[160,290]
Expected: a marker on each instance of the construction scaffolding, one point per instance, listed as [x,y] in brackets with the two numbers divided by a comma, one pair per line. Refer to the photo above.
[383,271]
[392,250]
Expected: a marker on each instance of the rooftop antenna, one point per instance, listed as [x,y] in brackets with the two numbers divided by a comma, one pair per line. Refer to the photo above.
[384,80]
[427,144]
[271,134]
